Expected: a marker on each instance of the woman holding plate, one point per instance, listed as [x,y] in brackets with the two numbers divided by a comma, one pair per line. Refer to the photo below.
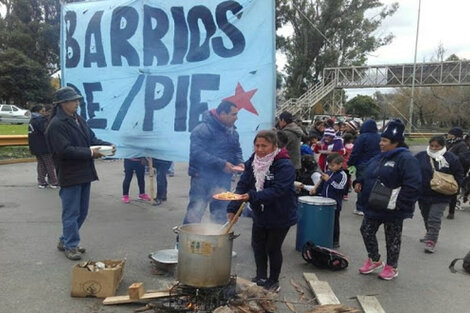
[267,183]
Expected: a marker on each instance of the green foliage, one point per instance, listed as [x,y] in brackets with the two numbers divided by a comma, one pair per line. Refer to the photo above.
[362,106]
[327,33]
[23,79]
[29,49]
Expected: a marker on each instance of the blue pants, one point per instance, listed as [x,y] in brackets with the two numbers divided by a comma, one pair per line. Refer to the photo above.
[162,167]
[200,195]
[75,201]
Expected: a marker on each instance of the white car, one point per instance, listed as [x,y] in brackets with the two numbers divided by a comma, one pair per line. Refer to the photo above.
[11,114]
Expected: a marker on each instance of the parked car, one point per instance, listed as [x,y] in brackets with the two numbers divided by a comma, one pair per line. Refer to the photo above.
[11,114]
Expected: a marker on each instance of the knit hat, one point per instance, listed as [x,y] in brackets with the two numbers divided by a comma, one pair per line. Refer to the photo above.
[351,124]
[456,131]
[394,131]
[329,132]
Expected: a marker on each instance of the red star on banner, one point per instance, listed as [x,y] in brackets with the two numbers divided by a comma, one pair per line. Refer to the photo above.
[242,99]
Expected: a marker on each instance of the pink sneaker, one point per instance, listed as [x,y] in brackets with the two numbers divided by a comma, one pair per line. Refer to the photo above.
[144,196]
[388,273]
[370,266]
[125,199]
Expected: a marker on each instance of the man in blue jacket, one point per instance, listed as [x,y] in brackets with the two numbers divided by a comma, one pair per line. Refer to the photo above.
[215,154]
[69,139]
[365,148]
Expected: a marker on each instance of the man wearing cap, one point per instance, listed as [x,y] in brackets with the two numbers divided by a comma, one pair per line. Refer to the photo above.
[69,139]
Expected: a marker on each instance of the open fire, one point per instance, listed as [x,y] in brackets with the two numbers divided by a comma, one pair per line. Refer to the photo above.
[185,298]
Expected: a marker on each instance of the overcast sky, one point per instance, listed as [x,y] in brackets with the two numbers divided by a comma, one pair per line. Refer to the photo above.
[442,21]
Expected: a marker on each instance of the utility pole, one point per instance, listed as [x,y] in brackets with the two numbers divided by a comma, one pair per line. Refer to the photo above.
[410,120]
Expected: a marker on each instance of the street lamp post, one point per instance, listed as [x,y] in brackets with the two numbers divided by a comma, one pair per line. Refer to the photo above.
[410,121]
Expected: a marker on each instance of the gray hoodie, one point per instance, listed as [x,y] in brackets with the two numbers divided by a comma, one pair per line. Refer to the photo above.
[294,136]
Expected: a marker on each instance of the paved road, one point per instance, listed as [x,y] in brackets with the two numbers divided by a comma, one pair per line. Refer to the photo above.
[36,277]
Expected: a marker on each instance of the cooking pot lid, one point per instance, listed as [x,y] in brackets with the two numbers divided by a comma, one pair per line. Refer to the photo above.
[317,200]
[167,256]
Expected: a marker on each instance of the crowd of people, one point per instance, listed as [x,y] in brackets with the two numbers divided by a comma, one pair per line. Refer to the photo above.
[334,157]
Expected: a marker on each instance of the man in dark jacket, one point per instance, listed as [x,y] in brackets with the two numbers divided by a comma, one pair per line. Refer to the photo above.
[38,147]
[215,154]
[294,136]
[69,139]
[365,148]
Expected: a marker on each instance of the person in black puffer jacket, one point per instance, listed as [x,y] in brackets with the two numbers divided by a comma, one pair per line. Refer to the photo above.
[38,147]
[214,155]
[457,145]
[396,169]
[268,185]
[431,203]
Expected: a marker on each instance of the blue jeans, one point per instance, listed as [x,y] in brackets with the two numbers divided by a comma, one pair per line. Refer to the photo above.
[200,195]
[75,201]
[162,167]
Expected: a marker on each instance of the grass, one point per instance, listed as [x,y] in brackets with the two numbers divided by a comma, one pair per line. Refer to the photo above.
[14,129]
[14,152]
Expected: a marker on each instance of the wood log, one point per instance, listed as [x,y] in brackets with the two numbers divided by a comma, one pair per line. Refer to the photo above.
[136,291]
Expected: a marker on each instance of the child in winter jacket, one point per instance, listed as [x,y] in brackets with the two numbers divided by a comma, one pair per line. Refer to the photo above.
[332,186]
[329,144]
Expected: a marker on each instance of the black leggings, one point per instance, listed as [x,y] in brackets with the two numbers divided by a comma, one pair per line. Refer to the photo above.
[131,166]
[266,245]
[393,231]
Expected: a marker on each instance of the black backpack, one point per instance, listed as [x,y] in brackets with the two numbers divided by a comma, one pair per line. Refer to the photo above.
[324,257]
[465,265]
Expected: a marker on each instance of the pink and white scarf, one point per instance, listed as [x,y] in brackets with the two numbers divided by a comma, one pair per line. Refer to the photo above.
[261,167]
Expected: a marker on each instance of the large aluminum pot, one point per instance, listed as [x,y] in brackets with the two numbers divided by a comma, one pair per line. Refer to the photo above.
[204,255]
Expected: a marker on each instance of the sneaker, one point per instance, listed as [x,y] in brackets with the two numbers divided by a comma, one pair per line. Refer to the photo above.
[125,199]
[42,186]
[259,281]
[370,266]
[53,186]
[430,246]
[358,212]
[73,254]
[157,202]
[272,286]
[388,273]
[145,196]
[450,216]
[61,247]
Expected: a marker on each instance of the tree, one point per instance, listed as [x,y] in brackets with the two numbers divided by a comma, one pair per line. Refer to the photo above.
[29,49]
[327,33]
[23,79]
[362,106]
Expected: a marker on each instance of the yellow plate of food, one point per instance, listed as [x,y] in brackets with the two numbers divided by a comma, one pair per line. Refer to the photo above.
[227,196]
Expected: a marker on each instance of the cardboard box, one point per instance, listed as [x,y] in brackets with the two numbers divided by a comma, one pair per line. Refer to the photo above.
[89,281]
